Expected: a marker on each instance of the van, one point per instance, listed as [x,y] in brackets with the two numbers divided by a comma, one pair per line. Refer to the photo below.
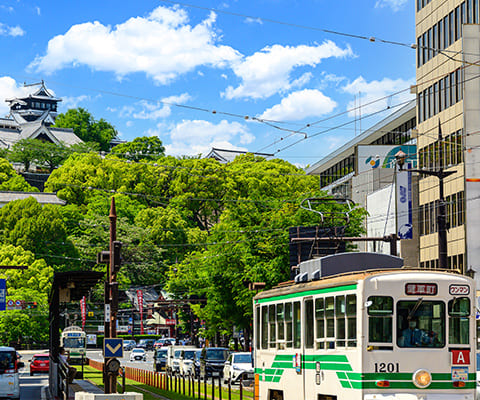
[212,360]
[173,358]
[9,376]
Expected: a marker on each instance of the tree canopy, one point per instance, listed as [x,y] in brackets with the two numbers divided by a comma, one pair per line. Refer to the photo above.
[140,148]
[86,127]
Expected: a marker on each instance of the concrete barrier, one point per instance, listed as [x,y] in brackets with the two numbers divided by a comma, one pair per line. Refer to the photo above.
[113,396]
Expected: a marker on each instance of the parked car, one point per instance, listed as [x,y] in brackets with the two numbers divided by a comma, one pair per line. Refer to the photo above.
[138,354]
[146,344]
[160,359]
[9,375]
[187,358]
[212,360]
[39,363]
[238,365]
[129,344]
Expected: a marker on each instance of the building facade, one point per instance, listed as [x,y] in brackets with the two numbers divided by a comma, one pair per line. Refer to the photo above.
[442,28]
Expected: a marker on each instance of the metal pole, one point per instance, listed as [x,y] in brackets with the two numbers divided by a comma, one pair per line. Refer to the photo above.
[441,219]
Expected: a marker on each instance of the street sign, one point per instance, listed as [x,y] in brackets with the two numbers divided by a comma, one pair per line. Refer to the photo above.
[10,305]
[3,293]
[107,313]
[113,347]
[18,304]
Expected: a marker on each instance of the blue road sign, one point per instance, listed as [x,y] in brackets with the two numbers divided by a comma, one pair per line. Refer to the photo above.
[3,294]
[112,347]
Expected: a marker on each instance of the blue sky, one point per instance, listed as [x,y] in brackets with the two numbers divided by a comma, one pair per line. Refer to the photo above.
[191,72]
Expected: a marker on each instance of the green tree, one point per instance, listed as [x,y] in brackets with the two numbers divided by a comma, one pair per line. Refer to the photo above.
[141,148]
[24,151]
[52,155]
[11,181]
[86,127]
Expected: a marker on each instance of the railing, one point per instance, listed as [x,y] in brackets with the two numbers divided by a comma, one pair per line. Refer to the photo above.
[185,385]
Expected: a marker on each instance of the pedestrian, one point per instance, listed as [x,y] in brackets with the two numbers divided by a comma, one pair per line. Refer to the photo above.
[64,358]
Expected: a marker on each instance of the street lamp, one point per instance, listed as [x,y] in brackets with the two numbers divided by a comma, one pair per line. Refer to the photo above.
[440,173]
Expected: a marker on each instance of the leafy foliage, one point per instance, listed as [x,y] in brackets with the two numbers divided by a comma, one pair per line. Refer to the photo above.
[141,148]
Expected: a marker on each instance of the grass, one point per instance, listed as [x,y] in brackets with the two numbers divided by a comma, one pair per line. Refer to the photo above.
[150,392]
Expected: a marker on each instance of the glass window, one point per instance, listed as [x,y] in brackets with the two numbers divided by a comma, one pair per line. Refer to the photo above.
[280,323]
[459,321]
[380,319]
[272,326]
[257,327]
[297,325]
[330,321]
[289,324]
[320,322]
[309,324]
[264,327]
[351,320]
[340,320]
[420,323]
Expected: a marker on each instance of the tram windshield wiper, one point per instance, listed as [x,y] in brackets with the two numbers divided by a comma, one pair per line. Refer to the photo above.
[415,308]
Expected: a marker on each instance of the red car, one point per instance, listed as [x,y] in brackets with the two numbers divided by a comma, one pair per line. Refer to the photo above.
[39,363]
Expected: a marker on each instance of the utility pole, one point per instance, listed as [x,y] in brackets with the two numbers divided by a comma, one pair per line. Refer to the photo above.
[441,174]
[113,260]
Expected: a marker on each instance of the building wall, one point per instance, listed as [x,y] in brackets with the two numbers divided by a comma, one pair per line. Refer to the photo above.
[434,71]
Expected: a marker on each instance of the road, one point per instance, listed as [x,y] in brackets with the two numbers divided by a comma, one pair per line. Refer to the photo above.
[31,386]
[125,361]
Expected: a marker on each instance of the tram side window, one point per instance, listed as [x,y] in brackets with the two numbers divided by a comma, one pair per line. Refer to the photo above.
[280,327]
[297,325]
[257,327]
[380,319]
[289,324]
[340,318]
[352,320]
[264,327]
[459,321]
[272,325]
[309,324]
[330,321]
[320,322]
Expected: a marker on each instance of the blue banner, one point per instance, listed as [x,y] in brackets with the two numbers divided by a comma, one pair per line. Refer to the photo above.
[3,294]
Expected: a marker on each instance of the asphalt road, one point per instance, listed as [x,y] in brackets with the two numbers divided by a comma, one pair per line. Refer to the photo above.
[125,361]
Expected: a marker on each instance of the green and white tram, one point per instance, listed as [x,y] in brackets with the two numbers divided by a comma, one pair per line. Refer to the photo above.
[358,326]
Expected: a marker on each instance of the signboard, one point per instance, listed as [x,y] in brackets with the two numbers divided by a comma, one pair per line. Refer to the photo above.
[426,289]
[107,313]
[83,309]
[3,294]
[461,357]
[404,204]
[113,347]
[380,156]
[140,309]
[10,305]
[91,339]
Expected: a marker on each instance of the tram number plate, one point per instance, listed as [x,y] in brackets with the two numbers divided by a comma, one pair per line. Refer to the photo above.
[459,289]
[387,367]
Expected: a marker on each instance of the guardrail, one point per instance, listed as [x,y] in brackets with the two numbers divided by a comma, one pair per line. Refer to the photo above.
[187,386]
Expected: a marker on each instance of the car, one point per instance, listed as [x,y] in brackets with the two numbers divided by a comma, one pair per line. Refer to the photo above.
[146,344]
[9,375]
[187,360]
[238,366]
[212,360]
[164,342]
[129,344]
[138,354]
[160,359]
[39,363]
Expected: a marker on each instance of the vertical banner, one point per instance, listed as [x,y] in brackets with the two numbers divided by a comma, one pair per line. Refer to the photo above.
[471,142]
[140,309]
[3,294]
[404,204]
[83,311]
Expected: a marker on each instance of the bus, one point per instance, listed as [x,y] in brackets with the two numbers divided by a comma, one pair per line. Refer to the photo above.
[360,326]
[74,340]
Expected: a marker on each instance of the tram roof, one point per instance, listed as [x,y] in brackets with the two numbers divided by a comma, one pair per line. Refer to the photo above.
[342,280]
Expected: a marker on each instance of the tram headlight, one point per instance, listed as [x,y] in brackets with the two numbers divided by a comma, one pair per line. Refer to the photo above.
[422,378]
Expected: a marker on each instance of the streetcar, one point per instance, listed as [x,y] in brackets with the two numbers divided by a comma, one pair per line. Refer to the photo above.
[74,340]
[360,326]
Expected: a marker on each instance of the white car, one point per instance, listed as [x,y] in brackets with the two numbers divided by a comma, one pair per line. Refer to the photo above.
[187,361]
[238,365]
[138,354]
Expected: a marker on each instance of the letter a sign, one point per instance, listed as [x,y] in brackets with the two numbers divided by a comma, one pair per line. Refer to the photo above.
[461,357]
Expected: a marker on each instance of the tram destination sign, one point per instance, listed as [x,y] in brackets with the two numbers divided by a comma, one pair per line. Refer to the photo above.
[425,289]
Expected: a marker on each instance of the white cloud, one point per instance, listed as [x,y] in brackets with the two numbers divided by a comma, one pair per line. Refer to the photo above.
[9,89]
[153,111]
[192,137]
[37,9]
[162,45]
[250,20]
[395,5]
[73,102]
[300,105]
[6,30]
[372,91]
[269,71]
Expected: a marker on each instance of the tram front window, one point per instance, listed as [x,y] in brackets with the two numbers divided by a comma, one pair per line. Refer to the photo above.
[74,343]
[420,323]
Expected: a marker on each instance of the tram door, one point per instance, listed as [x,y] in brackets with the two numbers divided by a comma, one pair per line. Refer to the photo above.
[310,388]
